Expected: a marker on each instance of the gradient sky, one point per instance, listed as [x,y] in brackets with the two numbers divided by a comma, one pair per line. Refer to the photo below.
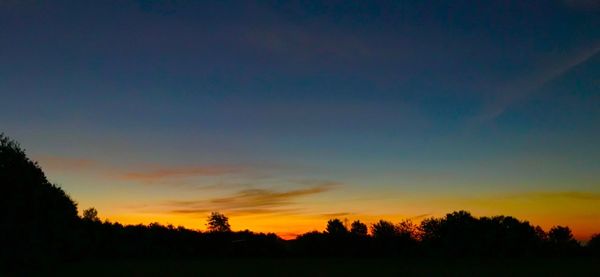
[285,114]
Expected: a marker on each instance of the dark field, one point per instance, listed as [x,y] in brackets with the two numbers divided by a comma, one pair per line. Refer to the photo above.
[335,266]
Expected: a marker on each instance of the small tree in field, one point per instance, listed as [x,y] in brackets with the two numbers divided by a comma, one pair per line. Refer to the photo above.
[218,222]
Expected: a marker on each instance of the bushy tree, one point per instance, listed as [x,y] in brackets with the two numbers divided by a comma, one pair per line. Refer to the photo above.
[358,228]
[561,240]
[218,222]
[594,245]
[91,214]
[384,230]
[335,227]
[407,230]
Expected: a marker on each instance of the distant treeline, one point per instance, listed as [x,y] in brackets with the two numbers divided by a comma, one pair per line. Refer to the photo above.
[40,224]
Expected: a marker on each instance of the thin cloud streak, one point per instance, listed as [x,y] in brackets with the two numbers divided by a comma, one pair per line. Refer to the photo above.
[178,172]
[66,163]
[251,201]
[516,91]
[572,195]
[146,174]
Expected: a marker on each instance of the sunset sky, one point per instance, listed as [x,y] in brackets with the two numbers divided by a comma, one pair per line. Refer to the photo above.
[285,114]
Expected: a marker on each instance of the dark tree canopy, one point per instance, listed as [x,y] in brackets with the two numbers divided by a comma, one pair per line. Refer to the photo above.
[91,214]
[358,228]
[561,239]
[594,244]
[384,230]
[218,222]
[39,223]
[335,227]
[37,217]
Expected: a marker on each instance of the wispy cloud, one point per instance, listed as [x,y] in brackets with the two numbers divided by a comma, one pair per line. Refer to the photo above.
[66,163]
[507,95]
[251,201]
[572,195]
[335,215]
[162,173]
[141,173]
[582,4]
[419,217]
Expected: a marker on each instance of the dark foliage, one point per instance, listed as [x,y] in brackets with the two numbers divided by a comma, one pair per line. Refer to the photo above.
[335,228]
[593,245]
[38,219]
[218,222]
[39,223]
[359,229]
[561,241]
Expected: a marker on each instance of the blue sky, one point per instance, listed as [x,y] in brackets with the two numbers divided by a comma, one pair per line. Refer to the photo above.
[351,101]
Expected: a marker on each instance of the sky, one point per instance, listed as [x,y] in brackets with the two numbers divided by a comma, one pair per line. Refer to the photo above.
[284,114]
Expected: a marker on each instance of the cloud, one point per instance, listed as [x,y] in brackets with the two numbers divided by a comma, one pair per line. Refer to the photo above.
[571,195]
[251,201]
[162,173]
[541,200]
[146,174]
[66,163]
[419,217]
[335,215]
[582,4]
[294,41]
[505,96]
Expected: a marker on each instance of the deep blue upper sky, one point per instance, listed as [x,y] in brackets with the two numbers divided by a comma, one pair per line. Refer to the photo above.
[498,95]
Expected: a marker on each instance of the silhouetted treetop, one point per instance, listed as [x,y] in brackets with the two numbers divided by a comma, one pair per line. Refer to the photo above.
[218,222]
[39,222]
[358,228]
[91,214]
[384,230]
[37,217]
[561,239]
[594,244]
[335,227]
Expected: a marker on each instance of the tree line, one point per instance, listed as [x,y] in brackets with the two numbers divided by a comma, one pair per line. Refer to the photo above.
[40,224]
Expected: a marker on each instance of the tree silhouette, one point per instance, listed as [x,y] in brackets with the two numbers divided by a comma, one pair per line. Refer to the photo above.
[561,235]
[561,240]
[218,222]
[91,214]
[594,244]
[384,230]
[358,228]
[407,230]
[38,218]
[335,227]
[39,223]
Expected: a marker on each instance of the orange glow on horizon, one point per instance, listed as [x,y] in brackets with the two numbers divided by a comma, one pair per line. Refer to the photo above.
[289,227]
